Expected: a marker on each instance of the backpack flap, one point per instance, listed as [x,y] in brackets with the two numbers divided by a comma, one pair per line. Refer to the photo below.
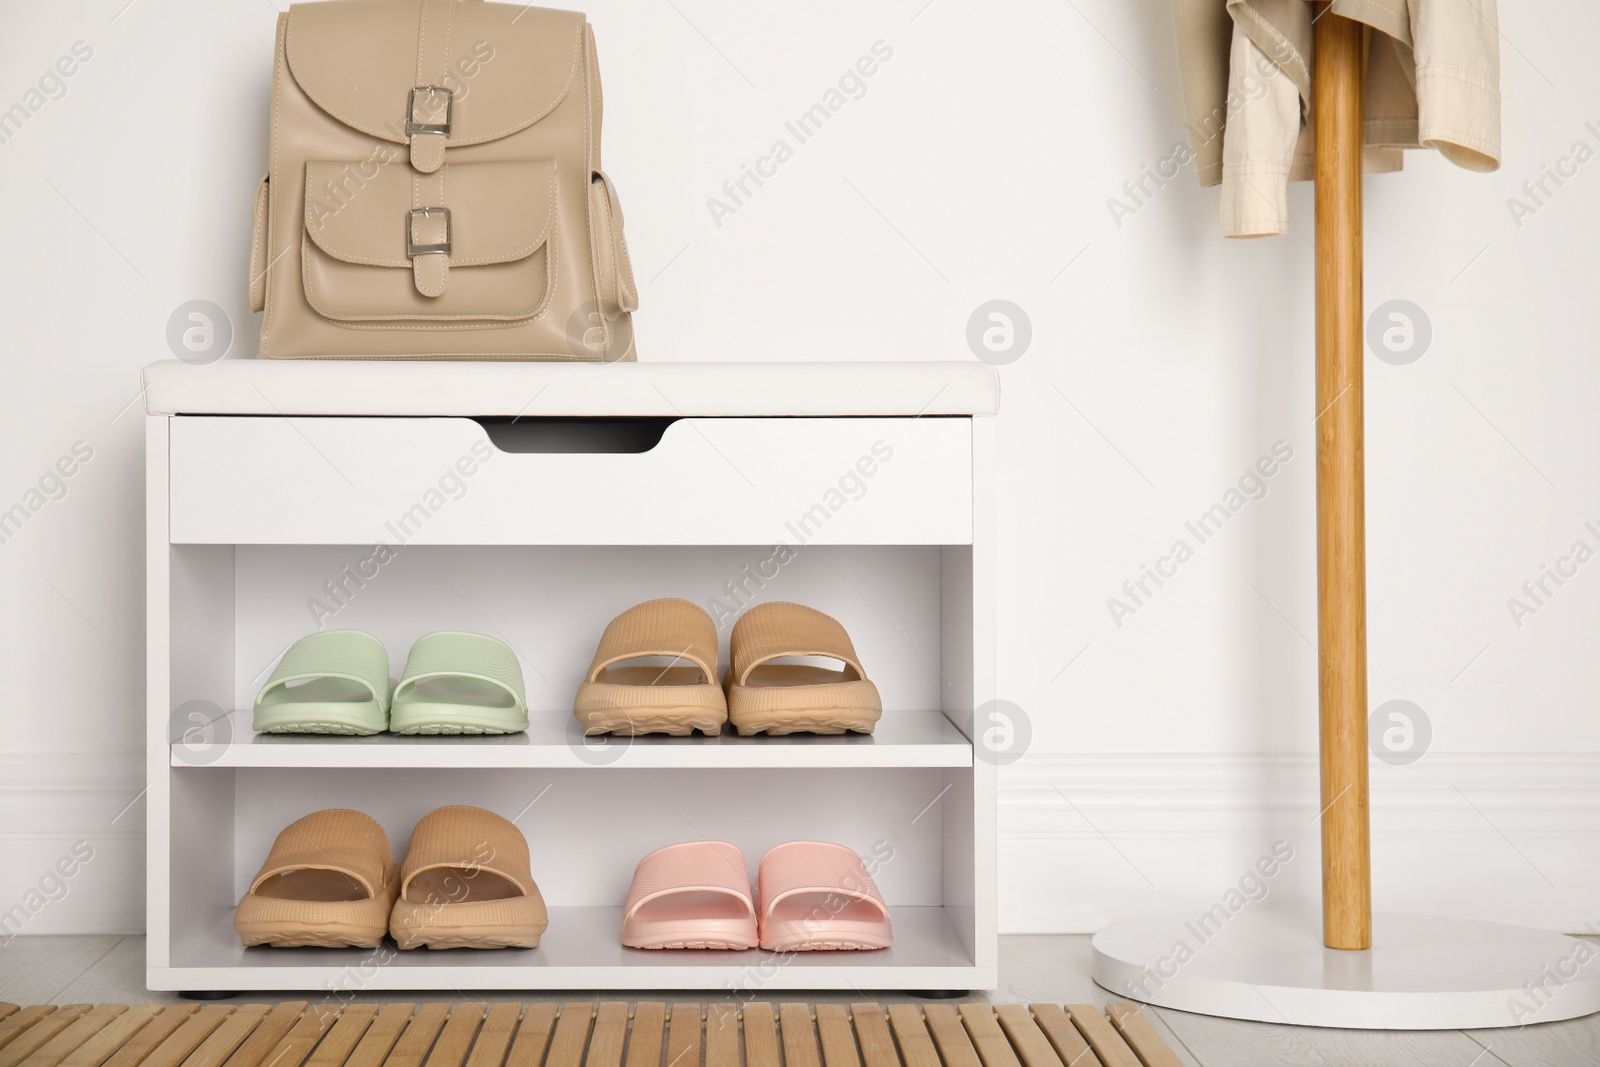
[470,242]
[436,74]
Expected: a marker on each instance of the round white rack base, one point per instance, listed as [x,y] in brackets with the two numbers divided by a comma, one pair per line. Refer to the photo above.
[1422,973]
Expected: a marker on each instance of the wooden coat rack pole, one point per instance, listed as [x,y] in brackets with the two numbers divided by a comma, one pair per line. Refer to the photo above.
[1337,77]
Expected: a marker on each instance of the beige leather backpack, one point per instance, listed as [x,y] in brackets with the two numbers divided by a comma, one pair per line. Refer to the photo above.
[436,190]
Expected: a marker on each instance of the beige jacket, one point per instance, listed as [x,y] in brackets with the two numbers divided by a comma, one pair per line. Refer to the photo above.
[1433,81]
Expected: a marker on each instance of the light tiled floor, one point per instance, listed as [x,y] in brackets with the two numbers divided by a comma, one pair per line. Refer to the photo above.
[102,970]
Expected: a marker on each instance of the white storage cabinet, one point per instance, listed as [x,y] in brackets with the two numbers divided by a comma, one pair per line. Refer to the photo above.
[535,502]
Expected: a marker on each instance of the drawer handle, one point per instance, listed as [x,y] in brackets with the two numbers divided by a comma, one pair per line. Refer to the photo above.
[592,436]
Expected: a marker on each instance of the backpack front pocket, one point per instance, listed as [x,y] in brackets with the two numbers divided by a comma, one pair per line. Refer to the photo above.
[470,244]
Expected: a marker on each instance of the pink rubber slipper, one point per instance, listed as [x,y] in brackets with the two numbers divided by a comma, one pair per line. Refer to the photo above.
[692,895]
[818,896]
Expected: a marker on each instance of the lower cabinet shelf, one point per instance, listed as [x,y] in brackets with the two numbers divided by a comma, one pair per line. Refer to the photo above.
[580,950]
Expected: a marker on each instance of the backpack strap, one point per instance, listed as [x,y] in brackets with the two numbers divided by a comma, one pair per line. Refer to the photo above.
[431,104]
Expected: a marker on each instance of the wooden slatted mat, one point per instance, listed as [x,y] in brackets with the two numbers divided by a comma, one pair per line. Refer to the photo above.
[610,1034]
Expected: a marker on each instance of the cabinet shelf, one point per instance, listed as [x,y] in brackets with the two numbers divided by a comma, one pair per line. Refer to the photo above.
[580,950]
[903,739]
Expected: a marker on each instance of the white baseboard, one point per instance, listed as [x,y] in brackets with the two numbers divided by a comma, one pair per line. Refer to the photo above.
[57,809]
[1085,840]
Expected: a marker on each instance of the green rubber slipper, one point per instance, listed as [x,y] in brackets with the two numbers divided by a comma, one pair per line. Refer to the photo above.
[460,683]
[335,682]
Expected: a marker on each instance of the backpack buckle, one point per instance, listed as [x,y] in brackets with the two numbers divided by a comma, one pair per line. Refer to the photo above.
[415,249]
[413,126]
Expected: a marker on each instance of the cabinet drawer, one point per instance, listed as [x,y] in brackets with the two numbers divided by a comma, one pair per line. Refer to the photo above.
[759,481]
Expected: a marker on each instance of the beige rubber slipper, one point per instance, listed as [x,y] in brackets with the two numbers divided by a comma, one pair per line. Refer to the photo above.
[619,697]
[329,881]
[785,698]
[466,883]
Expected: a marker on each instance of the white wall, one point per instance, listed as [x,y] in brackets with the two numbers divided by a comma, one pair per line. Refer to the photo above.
[1175,748]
